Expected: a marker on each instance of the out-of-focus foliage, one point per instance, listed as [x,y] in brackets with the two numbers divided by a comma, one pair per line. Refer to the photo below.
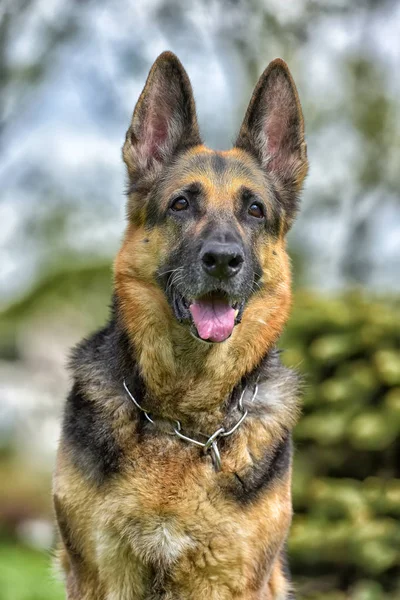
[346,530]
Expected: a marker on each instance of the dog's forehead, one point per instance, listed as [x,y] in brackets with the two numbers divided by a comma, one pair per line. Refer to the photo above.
[221,175]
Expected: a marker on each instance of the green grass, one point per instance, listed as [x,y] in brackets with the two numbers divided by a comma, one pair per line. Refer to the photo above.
[26,575]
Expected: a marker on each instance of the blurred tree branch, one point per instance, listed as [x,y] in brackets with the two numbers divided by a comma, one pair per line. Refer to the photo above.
[19,78]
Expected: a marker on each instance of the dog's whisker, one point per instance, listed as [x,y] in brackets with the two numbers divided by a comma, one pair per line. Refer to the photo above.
[171,271]
[175,280]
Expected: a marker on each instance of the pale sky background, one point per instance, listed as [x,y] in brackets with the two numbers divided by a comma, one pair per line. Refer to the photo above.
[62,148]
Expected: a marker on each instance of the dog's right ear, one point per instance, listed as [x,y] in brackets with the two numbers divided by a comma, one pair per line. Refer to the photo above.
[164,121]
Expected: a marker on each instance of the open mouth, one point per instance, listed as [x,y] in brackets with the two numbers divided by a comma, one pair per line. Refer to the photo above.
[213,315]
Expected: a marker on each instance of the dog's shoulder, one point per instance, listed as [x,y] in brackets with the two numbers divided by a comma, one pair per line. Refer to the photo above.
[105,356]
[88,437]
[277,401]
[98,365]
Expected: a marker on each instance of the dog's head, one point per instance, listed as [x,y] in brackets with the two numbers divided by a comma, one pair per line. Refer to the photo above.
[205,240]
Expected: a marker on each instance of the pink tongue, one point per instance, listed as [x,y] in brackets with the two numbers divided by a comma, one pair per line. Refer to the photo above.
[214,318]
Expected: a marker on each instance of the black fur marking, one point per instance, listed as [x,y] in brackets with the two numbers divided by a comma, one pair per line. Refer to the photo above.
[99,363]
[194,189]
[154,214]
[158,582]
[286,206]
[134,187]
[248,485]
[218,164]
[246,195]
[89,438]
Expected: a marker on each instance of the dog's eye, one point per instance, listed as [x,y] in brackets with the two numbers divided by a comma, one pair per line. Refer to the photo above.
[180,204]
[256,210]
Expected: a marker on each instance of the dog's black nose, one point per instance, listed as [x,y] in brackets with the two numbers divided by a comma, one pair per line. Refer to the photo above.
[222,260]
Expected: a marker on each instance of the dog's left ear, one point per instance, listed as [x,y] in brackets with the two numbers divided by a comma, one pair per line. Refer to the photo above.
[164,120]
[273,131]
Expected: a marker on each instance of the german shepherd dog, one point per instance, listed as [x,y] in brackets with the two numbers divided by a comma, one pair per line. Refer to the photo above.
[173,475]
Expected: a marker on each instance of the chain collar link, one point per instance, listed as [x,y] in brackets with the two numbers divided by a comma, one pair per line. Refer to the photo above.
[211,445]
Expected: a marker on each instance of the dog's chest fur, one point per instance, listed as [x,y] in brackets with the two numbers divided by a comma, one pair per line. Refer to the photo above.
[170,512]
[149,512]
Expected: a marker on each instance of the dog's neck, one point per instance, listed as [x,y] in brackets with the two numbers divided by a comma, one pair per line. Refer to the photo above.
[185,378]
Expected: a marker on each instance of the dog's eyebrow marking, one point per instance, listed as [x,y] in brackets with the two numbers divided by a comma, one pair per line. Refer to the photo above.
[245,193]
[194,188]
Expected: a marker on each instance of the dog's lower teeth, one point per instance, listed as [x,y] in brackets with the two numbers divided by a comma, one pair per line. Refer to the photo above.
[236,313]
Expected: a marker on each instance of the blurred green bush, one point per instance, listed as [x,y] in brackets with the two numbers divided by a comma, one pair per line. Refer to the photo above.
[346,485]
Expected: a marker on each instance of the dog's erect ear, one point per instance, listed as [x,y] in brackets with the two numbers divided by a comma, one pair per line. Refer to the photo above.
[164,120]
[273,128]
